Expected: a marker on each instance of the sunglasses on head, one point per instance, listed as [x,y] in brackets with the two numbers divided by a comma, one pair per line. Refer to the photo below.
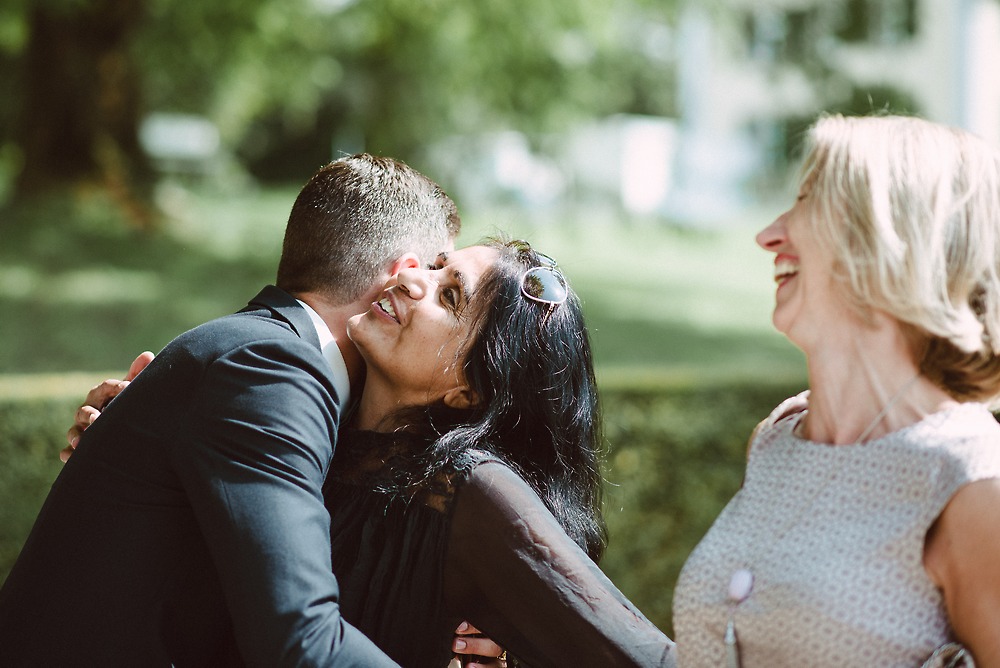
[543,283]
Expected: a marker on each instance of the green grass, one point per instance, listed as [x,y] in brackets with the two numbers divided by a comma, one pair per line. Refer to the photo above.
[81,293]
[660,299]
[679,318]
[84,293]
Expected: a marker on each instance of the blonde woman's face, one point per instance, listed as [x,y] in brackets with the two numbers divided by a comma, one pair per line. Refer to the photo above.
[807,304]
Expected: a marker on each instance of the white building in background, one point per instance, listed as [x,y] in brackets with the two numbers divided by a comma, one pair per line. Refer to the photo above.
[626,160]
[754,72]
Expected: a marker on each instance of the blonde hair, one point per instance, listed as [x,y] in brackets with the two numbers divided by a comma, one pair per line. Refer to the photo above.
[911,212]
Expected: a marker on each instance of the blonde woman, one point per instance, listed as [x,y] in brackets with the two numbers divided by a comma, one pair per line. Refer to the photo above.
[867,530]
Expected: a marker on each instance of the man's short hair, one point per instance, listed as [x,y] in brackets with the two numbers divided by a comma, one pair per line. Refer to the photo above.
[356,216]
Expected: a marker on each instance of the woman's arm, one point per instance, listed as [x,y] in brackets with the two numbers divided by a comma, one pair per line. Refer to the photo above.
[97,399]
[514,573]
[961,557]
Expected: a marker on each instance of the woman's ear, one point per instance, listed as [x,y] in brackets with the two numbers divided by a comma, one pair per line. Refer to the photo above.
[406,261]
[462,397]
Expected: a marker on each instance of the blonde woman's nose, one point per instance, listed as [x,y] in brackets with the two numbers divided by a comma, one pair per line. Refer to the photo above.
[773,236]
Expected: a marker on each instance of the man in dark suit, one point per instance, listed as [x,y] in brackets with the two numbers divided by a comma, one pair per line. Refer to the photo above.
[189,528]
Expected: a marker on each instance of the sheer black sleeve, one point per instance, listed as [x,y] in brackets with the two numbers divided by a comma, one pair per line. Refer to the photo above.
[512,571]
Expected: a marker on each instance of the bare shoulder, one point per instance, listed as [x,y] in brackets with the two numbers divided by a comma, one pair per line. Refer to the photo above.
[968,526]
[971,519]
[788,408]
[960,556]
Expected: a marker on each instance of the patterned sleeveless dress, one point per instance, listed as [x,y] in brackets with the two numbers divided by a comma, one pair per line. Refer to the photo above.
[834,538]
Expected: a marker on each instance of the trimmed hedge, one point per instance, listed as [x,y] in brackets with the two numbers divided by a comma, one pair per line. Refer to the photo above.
[31,435]
[675,457]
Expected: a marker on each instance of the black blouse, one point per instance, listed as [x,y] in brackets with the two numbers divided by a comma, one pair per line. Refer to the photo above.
[475,544]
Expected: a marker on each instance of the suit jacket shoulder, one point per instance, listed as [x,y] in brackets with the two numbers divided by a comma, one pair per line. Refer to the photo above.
[193,513]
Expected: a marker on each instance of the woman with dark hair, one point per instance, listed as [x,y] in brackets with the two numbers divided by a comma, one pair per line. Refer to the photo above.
[479,402]
[535,405]
[467,485]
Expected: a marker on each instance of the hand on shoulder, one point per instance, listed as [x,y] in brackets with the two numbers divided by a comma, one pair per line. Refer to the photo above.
[97,399]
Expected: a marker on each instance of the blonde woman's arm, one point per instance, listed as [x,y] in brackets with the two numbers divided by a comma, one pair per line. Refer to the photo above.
[961,556]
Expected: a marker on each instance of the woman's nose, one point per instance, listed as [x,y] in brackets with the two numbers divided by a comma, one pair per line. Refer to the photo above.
[416,283]
[773,236]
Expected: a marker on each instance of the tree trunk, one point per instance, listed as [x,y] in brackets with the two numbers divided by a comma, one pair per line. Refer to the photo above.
[80,110]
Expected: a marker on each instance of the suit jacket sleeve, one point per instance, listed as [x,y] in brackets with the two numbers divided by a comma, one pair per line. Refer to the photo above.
[514,573]
[252,455]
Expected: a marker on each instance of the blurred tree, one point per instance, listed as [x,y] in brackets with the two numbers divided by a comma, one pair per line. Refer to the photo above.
[289,82]
[79,101]
[392,76]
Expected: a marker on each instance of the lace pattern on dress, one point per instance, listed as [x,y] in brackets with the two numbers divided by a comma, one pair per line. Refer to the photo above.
[397,464]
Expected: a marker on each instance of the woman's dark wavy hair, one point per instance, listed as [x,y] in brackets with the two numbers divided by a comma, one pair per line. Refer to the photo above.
[538,408]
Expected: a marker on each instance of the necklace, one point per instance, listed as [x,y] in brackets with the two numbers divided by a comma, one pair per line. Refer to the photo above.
[742,580]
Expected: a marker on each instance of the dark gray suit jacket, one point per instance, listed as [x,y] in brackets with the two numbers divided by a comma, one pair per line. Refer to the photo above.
[188,528]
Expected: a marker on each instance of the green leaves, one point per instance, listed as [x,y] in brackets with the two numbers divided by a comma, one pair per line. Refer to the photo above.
[398,73]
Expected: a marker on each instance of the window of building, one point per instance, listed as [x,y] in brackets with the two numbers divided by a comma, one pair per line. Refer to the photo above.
[884,22]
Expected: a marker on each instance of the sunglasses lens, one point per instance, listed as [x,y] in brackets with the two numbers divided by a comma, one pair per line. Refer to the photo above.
[544,284]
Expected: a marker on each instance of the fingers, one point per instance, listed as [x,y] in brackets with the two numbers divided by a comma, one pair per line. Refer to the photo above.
[482,651]
[476,646]
[73,436]
[466,629]
[101,394]
[97,399]
[85,416]
[140,363]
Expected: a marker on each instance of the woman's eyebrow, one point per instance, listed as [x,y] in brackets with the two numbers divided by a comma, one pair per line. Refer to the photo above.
[463,284]
[440,261]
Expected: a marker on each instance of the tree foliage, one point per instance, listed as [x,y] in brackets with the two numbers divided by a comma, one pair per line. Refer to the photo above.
[283,79]
[78,102]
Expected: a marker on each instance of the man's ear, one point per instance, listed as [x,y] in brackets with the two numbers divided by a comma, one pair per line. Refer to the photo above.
[462,397]
[406,261]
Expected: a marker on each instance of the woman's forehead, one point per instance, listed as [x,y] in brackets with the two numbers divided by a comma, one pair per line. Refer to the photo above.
[475,259]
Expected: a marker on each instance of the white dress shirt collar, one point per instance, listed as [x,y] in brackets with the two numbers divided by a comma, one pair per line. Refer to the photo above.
[331,351]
